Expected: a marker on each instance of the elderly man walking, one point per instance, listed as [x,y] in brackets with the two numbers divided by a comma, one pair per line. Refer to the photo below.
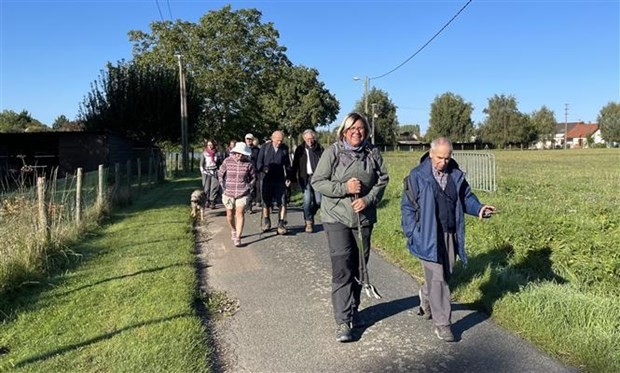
[435,199]
[305,160]
[274,165]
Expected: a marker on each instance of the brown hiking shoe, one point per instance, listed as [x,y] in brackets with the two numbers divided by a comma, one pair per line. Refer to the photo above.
[309,227]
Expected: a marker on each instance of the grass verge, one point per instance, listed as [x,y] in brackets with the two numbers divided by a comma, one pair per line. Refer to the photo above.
[128,303]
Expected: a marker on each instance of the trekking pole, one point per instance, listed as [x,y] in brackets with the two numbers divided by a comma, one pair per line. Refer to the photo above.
[364,279]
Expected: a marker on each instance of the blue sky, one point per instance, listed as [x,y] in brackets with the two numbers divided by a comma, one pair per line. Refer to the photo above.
[541,52]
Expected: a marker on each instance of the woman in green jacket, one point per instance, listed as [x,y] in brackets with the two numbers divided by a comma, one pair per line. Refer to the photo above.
[351,178]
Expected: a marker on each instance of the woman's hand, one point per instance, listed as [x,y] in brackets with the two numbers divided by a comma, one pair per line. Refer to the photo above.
[358,204]
[354,186]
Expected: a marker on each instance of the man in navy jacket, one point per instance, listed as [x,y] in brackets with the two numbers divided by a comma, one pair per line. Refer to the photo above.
[436,198]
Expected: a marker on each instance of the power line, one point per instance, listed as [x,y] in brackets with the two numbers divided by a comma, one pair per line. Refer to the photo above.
[169,11]
[425,44]
[159,9]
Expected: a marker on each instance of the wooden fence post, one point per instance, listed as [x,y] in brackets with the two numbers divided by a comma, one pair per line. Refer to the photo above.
[150,169]
[43,224]
[139,174]
[117,180]
[128,178]
[78,196]
[100,187]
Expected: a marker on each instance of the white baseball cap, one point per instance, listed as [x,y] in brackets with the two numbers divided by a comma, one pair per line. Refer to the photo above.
[249,136]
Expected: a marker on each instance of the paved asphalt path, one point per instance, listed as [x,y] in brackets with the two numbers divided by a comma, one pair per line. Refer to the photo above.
[284,321]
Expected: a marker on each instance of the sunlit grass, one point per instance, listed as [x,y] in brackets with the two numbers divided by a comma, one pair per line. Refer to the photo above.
[127,304]
[557,229]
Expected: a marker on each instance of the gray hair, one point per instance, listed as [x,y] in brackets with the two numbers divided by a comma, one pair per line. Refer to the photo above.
[441,141]
[309,132]
[349,120]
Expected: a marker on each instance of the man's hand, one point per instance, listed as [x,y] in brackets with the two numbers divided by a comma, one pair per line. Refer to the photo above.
[354,186]
[287,183]
[486,211]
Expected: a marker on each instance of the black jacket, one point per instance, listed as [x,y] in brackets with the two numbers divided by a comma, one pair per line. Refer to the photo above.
[300,161]
[276,164]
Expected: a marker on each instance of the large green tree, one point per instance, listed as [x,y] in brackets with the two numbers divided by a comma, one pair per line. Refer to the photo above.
[232,56]
[300,101]
[451,117]
[504,123]
[543,120]
[383,117]
[140,101]
[609,122]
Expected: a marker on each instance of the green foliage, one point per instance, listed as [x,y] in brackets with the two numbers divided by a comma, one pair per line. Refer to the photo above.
[557,228]
[504,124]
[451,117]
[411,129]
[543,120]
[140,102]
[609,122]
[11,121]
[62,123]
[384,119]
[308,104]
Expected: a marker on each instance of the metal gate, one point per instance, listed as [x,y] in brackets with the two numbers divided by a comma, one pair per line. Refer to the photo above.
[479,169]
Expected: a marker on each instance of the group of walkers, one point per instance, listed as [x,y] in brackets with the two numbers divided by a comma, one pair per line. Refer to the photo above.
[347,181]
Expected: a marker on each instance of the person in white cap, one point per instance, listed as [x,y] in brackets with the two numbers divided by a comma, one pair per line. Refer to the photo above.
[237,177]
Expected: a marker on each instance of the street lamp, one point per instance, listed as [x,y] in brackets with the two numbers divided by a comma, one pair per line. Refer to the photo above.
[356,78]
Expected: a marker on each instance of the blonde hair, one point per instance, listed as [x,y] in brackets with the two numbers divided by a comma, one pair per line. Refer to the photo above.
[349,120]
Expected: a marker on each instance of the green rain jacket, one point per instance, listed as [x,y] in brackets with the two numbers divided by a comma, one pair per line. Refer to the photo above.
[336,166]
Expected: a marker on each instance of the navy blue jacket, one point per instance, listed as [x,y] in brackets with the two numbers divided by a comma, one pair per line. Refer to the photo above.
[420,225]
[277,164]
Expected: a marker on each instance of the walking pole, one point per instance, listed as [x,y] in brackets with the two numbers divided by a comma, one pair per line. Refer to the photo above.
[364,278]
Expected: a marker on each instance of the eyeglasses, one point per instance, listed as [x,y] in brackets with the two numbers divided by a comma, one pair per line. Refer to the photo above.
[358,129]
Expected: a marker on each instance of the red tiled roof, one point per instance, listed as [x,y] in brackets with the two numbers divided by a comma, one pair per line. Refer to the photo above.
[582,130]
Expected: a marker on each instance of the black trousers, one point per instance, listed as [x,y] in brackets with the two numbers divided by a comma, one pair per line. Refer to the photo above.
[344,252]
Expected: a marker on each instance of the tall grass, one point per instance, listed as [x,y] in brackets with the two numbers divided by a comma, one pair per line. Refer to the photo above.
[547,265]
[24,256]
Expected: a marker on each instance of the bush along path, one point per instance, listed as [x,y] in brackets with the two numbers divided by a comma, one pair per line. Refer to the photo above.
[128,302]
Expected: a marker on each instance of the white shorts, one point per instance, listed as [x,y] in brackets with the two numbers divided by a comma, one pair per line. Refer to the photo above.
[230,202]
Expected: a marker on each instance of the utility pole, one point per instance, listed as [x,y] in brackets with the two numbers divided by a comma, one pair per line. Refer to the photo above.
[184,140]
[565,126]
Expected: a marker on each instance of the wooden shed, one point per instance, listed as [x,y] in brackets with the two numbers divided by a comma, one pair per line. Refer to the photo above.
[40,152]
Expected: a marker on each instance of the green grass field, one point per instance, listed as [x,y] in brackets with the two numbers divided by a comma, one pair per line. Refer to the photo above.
[127,303]
[548,264]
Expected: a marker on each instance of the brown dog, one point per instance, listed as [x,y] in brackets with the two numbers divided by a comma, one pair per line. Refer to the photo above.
[198,201]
